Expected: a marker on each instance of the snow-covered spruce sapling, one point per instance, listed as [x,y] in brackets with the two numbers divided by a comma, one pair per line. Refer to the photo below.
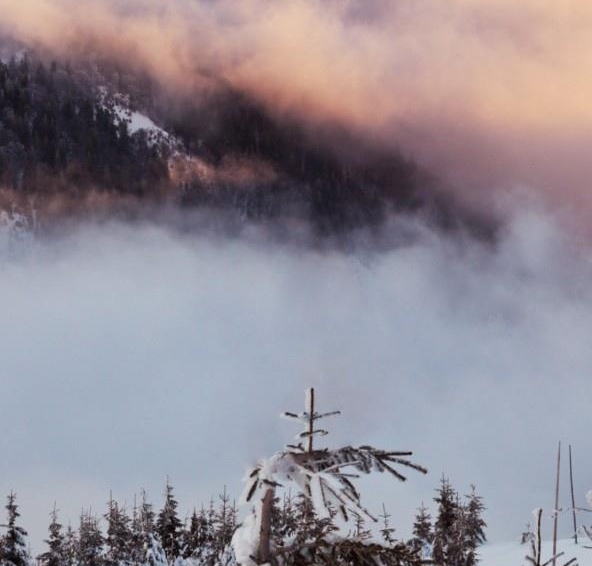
[13,545]
[119,535]
[446,547]
[423,535]
[324,476]
[473,532]
[90,549]
[169,526]
[56,554]
[386,531]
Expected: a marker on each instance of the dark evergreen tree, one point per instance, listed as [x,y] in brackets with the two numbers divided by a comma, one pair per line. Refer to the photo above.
[56,554]
[90,542]
[119,536]
[386,531]
[146,518]
[474,526]
[200,536]
[423,535]
[13,545]
[70,546]
[444,536]
[310,528]
[136,551]
[169,526]
[193,535]
[224,522]
[459,528]
[457,547]
[146,544]
[283,518]
[361,532]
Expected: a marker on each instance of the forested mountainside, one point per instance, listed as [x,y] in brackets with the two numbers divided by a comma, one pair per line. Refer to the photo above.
[57,135]
[87,127]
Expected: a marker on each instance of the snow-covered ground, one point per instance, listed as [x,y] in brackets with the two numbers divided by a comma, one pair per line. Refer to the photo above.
[136,121]
[514,553]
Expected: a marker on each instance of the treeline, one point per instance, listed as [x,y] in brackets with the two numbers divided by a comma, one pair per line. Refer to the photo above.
[458,529]
[130,537]
[141,536]
[57,135]
[330,176]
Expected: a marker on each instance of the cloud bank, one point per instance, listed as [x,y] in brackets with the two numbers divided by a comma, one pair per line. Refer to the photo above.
[490,95]
[133,353]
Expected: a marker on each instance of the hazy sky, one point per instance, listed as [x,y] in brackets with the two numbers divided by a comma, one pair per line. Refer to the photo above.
[130,354]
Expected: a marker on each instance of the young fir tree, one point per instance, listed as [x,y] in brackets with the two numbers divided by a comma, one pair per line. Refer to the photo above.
[475,525]
[56,554]
[193,535]
[147,547]
[423,536]
[224,520]
[146,518]
[324,477]
[386,531]
[70,546]
[136,550]
[459,528]
[169,526]
[286,522]
[223,525]
[444,535]
[458,547]
[311,529]
[13,545]
[360,533]
[200,537]
[119,536]
[90,542]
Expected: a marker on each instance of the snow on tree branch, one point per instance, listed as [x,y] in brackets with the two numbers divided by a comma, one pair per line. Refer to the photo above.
[321,475]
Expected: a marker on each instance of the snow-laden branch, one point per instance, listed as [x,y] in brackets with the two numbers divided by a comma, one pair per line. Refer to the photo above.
[323,476]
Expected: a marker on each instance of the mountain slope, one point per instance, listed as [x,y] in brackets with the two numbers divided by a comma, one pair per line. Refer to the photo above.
[91,127]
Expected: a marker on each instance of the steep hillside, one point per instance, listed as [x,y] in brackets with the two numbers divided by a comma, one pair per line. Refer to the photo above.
[97,134]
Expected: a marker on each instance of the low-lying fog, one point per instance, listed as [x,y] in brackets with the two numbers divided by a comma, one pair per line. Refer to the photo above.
[129,353]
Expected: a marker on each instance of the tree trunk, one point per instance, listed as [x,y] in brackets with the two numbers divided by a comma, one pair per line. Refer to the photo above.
[264,550]
[311,418]
[573,499]
[538,537]
[556,511]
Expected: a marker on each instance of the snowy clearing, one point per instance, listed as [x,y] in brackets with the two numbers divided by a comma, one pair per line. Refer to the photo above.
[514,553]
